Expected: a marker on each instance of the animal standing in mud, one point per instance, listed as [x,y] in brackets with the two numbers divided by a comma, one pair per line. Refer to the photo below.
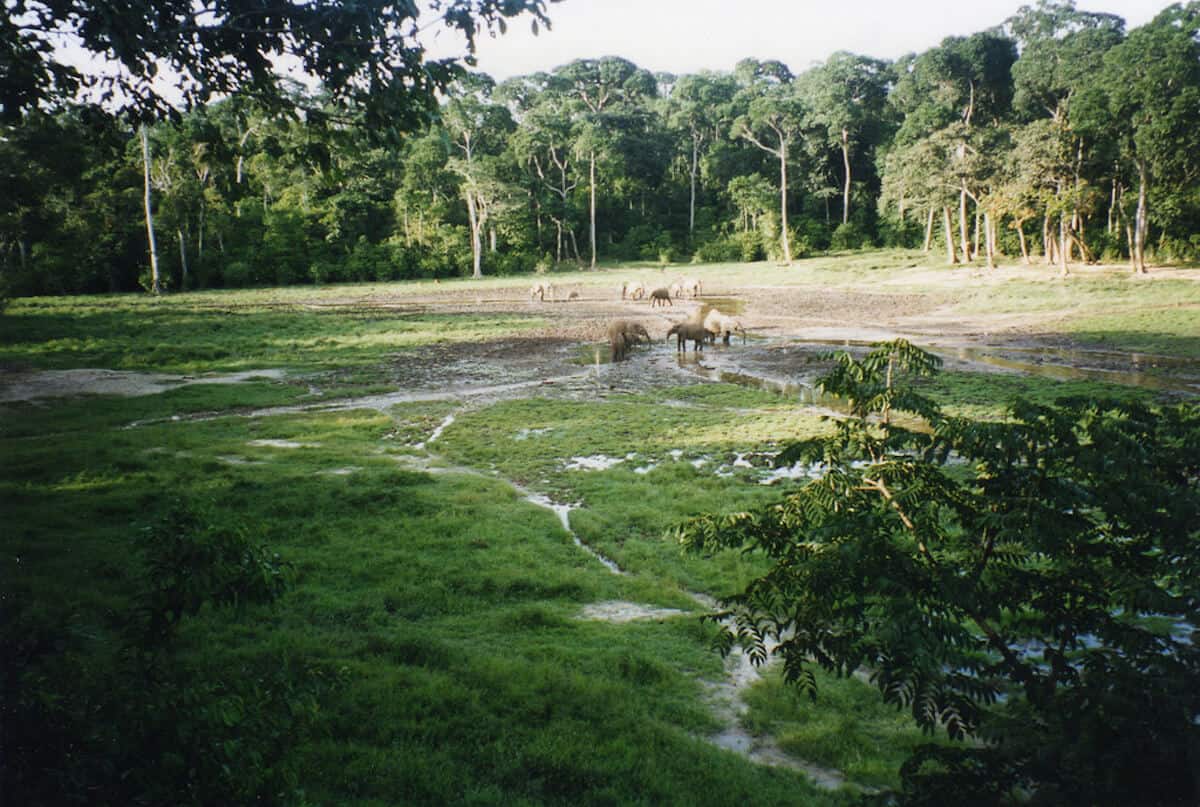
[623,335]
[541,290]
[718,324]
[685,331]
[633,289]
[660,297]
[690,286]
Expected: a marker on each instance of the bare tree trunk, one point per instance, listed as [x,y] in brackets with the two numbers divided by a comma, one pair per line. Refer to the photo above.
[978,220]
[1019,226]
[23,252]
[491,239]
[183,265]
[1112,208]
[575,247]
[846,188]
[1063,254]
[783,222]
[1141,224]
[962,222]
[476,246]
[1132,249]
[592,196]
[155,288]
[692,199]
[1047,241]
[951,258]
[989,243]
[928,232]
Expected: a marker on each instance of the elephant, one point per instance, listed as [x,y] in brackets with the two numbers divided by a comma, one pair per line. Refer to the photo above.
[676,289]
[541,289]
[660,296]
[690,286]
[623,335]
[573,296]
[633,289]
[718,324]
[685,331]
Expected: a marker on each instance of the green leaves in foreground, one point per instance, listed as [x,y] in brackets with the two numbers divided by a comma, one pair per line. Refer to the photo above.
[1032,584]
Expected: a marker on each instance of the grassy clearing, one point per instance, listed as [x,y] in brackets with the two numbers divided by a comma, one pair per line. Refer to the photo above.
[429,649]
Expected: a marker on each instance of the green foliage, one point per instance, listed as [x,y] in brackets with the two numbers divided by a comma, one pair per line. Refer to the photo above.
[191,563]
[998,580]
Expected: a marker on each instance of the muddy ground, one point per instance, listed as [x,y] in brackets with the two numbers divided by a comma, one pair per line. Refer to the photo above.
[788,328]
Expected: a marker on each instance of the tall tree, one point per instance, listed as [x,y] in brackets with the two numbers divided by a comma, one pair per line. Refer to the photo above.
[1148,93]
[700,105]
[773,122]
[477,128]
[601,88]
[846,97]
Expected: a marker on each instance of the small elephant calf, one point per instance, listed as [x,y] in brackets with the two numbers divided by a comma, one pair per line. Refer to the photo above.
[660,297]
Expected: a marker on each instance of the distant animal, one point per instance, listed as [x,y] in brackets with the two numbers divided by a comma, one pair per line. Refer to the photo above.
[659,297]
[623,335]
[541,290]
[573,295]
[718,324]
[690,286]
[686,331]
[633,289]
[676,289]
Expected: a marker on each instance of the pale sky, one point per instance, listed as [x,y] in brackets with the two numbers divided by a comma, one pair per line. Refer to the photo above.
[684,36]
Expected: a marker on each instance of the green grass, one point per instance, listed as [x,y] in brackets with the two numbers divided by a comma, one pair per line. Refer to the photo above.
[429,649]
[848,727]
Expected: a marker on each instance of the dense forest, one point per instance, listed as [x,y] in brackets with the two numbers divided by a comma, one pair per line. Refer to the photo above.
[1057,137]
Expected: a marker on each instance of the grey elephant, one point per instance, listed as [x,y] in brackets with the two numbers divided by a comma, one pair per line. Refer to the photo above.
[660,297]
[685,331]
[623,335]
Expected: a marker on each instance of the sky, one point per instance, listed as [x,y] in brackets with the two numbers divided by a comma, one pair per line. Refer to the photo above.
[684,36]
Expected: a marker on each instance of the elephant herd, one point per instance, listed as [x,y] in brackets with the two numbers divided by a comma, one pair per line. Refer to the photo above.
[684,287]
[624,334]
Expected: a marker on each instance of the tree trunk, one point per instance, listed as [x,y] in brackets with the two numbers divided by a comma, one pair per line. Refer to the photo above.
[183,266]
[846,188]
[1132,249]
[979,219]
[155,288]
[476,246]
[1020,228]
[1047,241]
[783,222]
[1062,245]
[951,258]
[1141,224]
[692,198]
[962,222]
[592,198]
[928,232]
[989,237]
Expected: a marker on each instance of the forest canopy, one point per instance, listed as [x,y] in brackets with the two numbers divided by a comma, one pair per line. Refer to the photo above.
[1058,136]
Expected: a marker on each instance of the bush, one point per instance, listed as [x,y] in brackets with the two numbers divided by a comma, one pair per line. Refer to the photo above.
[849,235]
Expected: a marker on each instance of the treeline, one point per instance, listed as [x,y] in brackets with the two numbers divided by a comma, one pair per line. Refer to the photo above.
[1056,137]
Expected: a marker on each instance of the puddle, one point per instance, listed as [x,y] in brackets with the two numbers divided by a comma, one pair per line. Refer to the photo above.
[1128,369]
[525,434]
[732,306]
[282,444]
[619,612]
[596,462]
[441,427]
[28,386]
[347,471]
[230,459]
